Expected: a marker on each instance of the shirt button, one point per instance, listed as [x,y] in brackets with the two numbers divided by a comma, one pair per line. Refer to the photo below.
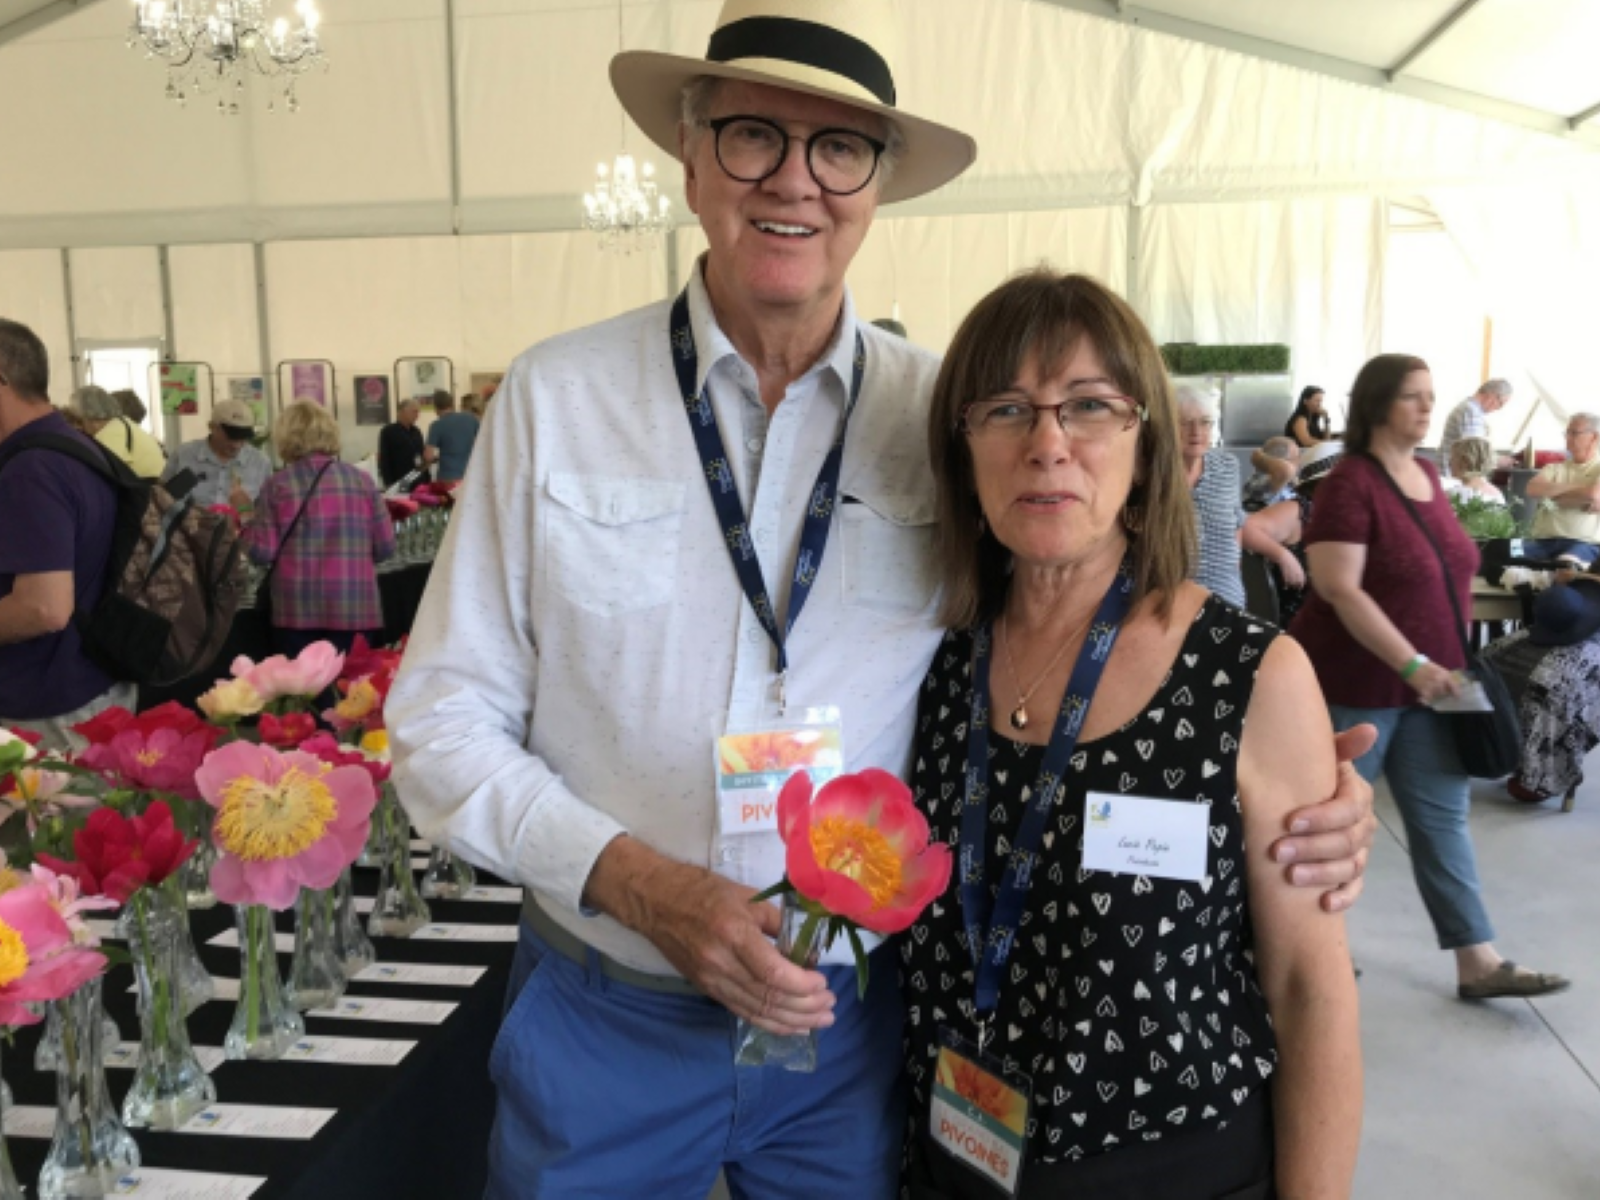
[755,444]
[755,635]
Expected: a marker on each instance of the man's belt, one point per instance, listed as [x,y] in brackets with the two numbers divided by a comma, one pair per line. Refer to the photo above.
[570,946]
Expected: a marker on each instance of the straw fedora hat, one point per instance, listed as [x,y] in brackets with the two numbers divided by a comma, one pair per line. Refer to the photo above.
[839,49]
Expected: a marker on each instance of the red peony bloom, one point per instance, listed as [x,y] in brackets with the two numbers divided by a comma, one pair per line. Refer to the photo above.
[118,855]
[287,731]
[104,726]
[363,660]
[331,752]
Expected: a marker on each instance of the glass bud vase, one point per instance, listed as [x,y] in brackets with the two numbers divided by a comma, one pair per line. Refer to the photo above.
[265,1024]
[376,851]
[90,1147]
[47,1054]
[196,873]
[316,977]
[194,981]
[169,1084]
[350,942]
[447,877]
[398,910]
[9,1190]
[800,941]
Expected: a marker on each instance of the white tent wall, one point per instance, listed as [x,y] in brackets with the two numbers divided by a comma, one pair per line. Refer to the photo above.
[33,290]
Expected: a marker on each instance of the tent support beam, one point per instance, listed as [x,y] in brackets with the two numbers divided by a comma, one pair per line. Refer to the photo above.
[1433,35]
[169,328]
[454,109]
[72,319]
[269,379]
[1588,113]
[40,17]
[1326,64]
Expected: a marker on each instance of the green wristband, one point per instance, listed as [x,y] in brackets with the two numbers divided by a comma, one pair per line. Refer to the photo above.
[1412,667]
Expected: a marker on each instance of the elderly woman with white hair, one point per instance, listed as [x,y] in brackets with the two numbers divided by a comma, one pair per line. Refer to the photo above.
[1213,476]
[104,421]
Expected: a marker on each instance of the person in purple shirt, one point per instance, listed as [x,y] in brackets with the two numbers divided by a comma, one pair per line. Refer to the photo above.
[54,549]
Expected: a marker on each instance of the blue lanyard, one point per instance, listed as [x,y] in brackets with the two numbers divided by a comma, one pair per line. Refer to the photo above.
[725,498]
[989,936]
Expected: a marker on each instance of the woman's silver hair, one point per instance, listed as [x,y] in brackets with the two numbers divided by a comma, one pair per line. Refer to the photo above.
[1188,395]
[700,93]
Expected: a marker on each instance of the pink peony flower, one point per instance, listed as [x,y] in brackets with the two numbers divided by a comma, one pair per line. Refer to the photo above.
[67,898]
[38,959]
[860,850]
[335,755]
[284,821]
[162,760]
[308,674]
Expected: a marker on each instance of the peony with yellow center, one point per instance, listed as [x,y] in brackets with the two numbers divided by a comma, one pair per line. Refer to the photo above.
[258,820]
[860,852]
[13,955]
[360,703]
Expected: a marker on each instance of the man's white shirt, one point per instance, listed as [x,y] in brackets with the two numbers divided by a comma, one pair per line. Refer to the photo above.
[584,637]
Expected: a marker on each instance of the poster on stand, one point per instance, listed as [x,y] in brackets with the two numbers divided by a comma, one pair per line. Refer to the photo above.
[372,399]
[309,381]
[179,390]
[421,377]
[486,383]
[252,390]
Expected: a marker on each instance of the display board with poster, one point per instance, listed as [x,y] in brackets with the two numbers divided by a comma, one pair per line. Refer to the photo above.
[372,399]
[178,384]
[418,378]
[312,379]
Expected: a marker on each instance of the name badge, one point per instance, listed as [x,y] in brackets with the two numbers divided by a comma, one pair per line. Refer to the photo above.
[1133,835]
[979,1112]
[754,763]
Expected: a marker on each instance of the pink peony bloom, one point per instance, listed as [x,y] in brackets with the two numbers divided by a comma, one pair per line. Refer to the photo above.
[38,959]
[284,821]
[309,673]
[860,849]
[335,755]
[162,760]
[66,897]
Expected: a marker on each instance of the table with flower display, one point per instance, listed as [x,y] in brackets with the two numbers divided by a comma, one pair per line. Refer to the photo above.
[418,1128]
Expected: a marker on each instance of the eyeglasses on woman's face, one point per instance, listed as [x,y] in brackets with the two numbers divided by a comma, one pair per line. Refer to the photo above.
[753,149]
[1091,415]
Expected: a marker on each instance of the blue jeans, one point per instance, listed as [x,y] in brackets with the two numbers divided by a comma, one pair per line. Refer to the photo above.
[1555,547]
[1417,751]
[607,1090]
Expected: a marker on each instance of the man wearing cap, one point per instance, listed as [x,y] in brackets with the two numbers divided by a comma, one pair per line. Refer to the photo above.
[228,469]
[104,421]
[707,517]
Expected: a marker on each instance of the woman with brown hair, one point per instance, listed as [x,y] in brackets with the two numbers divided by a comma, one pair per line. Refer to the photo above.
[1107,937]
[1384,545]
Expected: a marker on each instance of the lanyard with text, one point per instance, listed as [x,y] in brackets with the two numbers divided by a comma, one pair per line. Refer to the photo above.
[989,936]
[725,498]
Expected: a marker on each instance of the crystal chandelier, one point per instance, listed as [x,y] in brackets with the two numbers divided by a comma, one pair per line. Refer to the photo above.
[626,207]
[210,44]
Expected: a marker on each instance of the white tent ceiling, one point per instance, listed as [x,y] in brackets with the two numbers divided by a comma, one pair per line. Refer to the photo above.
[443,116]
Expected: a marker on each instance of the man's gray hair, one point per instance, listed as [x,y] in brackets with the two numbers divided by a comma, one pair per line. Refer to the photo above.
[24,362]
[1590,421]
[700,93]
[414,405]
[1496,387]
[96,404]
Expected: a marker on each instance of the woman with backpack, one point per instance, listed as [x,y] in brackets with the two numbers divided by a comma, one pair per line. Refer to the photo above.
[103,420]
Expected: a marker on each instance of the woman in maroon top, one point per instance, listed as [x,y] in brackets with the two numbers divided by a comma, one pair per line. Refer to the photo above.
[1379,631]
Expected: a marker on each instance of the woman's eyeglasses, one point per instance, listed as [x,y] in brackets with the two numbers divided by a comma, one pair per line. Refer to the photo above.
[1087,417]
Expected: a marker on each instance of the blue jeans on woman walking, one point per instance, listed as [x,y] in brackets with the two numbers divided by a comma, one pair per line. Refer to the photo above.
[1416,750]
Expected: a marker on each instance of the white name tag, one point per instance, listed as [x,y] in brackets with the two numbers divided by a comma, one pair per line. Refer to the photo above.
[1132,835]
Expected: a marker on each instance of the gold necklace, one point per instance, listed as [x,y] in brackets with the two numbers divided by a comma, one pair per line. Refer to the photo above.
[1019,714]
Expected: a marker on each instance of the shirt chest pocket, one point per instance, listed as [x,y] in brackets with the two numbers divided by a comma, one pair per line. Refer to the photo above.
[613,541]
[888,551]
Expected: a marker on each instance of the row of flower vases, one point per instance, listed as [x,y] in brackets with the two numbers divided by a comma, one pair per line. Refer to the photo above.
[91,1146]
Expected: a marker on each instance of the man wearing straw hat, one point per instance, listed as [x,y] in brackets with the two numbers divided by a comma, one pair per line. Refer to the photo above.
[600,616]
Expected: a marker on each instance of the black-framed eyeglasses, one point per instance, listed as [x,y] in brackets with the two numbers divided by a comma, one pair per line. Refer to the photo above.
[1086,417]
[753,149]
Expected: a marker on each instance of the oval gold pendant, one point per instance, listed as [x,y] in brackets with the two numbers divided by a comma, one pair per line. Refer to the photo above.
[1019,717]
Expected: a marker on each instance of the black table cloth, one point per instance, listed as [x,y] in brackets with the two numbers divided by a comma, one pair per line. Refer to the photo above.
[418,1129]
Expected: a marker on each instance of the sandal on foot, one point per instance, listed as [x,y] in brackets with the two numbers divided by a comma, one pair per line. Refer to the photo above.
[1523,794]
[1507,980]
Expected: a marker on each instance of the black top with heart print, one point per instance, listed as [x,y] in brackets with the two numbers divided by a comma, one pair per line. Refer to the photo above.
[1131,1002]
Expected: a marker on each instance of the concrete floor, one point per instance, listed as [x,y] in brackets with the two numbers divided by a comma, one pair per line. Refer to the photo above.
[1498,1100]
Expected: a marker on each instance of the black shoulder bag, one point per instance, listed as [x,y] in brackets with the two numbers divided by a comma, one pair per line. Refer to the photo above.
[1490,744]
[264,592]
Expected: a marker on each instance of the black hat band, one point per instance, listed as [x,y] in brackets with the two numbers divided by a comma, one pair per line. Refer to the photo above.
[808,44]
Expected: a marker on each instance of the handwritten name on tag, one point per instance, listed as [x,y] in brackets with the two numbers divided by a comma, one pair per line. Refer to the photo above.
[156,1183]
[359,1052]
[400,1012]
[1133,835]
[258,1120]
[427,974]
[441,932]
